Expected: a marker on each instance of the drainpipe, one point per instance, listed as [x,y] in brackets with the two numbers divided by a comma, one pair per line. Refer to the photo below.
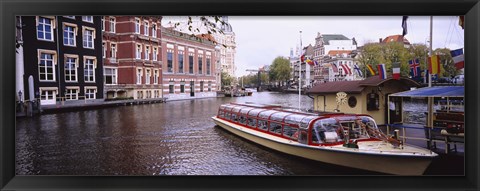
[58,57]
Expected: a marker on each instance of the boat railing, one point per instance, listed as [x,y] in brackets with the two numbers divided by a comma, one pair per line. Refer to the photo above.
[428,135]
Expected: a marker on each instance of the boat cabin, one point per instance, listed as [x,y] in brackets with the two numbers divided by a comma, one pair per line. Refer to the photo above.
[305,128]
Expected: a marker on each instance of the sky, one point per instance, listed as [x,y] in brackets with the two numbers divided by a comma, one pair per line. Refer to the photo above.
[260,39]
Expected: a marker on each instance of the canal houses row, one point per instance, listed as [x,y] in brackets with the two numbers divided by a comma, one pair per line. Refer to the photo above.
[95,58]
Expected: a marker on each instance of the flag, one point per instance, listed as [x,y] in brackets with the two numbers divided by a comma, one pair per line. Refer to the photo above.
[370,68]
[434,64]
[404,25]
[382,73]
[308,61]
[334,67]
[461,21]
[346,69]
[414,68]
[358,70]
[315,63]
[302,58]
[396,70]
[458,58]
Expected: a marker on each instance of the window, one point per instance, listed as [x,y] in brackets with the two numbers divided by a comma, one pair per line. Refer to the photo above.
[147,53]
[275,128]
[171,87]
[137,25]
[112,24]
[45,29]
[113,50]
[90,92]
[70,17]
[103,23]
[88,36]
[89,69]
[155,77]
[103,50]
[139,76]
[71,93]
[147,76]
[110,76]
[87,19]
[154,30]
[169,61]
[70,69]
[145,28]
[138,52]
[46,64]
[209,86]
[69,33]
[180,61]
[182,87]
[200,65]
[201,86]
[190,63]
[155,54]
[208,66]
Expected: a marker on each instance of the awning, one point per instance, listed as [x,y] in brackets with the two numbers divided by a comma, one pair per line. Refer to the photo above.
[437,91]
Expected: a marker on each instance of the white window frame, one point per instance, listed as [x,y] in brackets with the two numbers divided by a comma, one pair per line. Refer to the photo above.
[113,50]
[104,50]
[154,30]
[138,51]
[103,23]
[155,77]
[139,76]
[94,93]
[147,52]
[148,75]
[88,19]
[137,25]
[44,24]
[155,54]
[71,93]
[146,28]
[85,67]
[114,75]
[112,24]
[75,67]
[86,39]
[54,63]
[70,17]
[74,32]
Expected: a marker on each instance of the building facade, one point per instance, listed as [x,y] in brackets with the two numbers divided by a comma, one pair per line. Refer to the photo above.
[227,48]
[189,66]
[61,58]
[132,56]
[342,66]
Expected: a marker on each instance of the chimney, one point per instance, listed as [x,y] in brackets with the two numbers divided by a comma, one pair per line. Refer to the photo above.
[380,40]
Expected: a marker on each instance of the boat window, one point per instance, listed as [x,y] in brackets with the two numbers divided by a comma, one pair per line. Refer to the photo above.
[227,115]
[279,116]
[327,131]
[237,108]
[254,112]
[275,127]
[234,117]
[290,131]
[220,114]
[294,119]
[262,124]
[245,110]
[306,120]
[252,122]
[242,119]
[266,114]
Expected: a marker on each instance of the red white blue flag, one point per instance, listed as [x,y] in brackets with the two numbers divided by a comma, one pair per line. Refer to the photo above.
[396,70]
[458,58]
[382,72]
[414,67]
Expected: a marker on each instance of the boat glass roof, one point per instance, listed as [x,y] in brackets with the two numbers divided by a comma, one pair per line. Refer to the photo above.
[279,116]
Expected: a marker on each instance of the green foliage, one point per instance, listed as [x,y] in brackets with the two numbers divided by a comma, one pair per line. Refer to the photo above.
[226,79]
[446,63]
[280,70]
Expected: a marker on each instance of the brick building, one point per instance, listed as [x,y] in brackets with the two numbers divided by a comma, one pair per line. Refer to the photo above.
[131,56]
[189,69]
[61,57]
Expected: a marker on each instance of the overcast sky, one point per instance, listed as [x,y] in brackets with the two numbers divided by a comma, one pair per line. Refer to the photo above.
[260,39]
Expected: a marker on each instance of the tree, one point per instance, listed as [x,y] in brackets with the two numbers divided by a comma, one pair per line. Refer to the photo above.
[208,25]
[280,70]
[226,80]
[370,54]
[447,66]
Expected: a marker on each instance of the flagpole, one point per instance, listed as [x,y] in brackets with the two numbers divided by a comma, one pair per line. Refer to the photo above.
[431,51]
[300,73]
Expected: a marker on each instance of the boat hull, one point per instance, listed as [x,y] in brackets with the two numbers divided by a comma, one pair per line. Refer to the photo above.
[400,165]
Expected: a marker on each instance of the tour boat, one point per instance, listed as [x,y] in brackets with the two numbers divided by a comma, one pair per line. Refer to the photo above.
[350,140]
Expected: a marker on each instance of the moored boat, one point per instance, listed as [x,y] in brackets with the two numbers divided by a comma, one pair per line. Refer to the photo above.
[342,139]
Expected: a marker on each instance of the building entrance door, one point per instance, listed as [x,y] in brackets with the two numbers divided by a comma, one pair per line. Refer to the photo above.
[192,88]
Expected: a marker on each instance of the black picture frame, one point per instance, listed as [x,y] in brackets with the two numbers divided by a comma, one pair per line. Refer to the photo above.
[10,8]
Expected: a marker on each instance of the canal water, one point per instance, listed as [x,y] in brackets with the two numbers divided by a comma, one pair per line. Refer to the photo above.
[173,138]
